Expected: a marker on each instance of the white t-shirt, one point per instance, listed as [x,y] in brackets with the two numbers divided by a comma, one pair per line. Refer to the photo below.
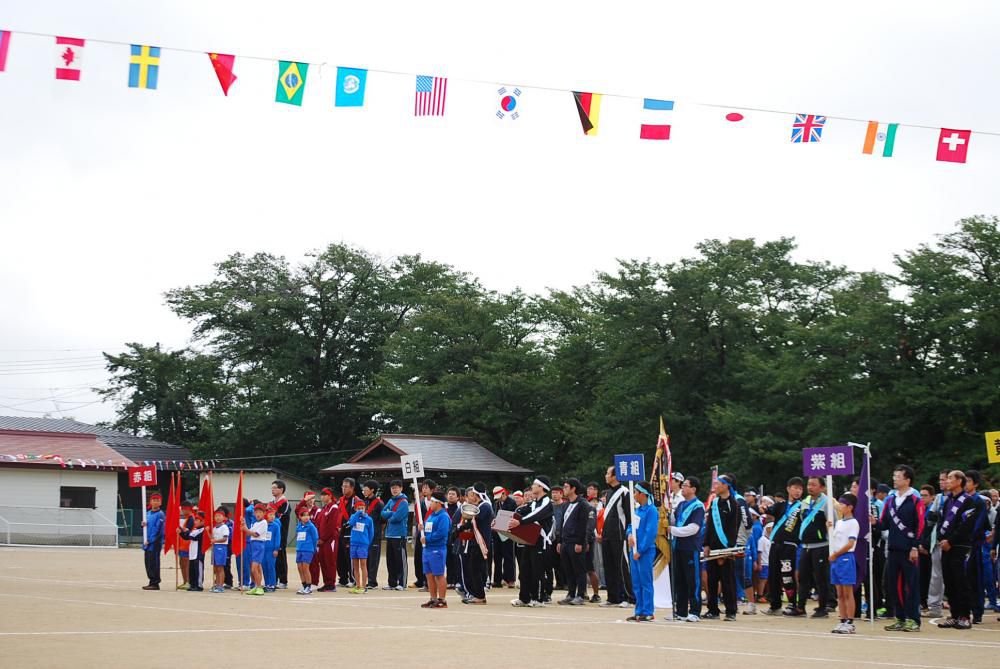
[220,532]
[843,532]
[260,529]
[764,548]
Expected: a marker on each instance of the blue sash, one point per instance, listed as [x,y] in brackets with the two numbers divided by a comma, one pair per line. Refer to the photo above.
[688,510]
[784,519]
[818,506]
[717,522]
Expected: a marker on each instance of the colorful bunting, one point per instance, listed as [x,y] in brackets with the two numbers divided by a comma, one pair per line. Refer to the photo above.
[144,66]
[588,106]
[69,53]
[655,114]
[291,82]
[4,45]
[880,139]
[350,90]
[223,65]
[953,145]
[430,96]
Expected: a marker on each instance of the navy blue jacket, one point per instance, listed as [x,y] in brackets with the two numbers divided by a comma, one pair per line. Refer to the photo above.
[911,512]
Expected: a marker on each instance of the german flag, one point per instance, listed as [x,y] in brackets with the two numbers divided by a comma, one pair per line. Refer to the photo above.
[588,105]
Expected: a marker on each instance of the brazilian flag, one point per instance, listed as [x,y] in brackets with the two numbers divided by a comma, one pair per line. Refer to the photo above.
[291,82]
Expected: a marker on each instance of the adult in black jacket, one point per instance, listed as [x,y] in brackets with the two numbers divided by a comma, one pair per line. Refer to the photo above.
[903,517]
[955,528]
[573,542]
[617,516]
[814,565]
[475,557]
[284,514]
[721,530]
[784,547]
[539,512]
[503,550]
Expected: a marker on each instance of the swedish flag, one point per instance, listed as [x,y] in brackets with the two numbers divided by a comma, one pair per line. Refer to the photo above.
[144,66]
[291,82]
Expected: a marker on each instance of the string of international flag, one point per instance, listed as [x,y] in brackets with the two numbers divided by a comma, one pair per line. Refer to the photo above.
[430,96]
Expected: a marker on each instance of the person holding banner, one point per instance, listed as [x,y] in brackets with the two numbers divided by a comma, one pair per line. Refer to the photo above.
[539,511]
[642,545]
[814,564]
[616,517]
[153,543]
[722,528]
[686,538]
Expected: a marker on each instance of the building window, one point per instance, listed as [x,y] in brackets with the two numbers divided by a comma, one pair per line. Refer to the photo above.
[71,497]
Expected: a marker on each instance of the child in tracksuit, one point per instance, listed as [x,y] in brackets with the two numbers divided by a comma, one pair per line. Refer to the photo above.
[271,553]
[362,532]
[257,533]
[306,538]
[196,551]
[182,545]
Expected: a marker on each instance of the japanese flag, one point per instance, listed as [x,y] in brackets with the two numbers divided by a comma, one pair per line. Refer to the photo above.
[69,54]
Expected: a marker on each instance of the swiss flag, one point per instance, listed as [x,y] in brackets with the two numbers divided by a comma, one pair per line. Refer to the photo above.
[69,53]
[953,145]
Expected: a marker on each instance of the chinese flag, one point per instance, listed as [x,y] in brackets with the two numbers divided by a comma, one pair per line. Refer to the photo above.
[207,504]
[173,518]
[239,539]
[223,65]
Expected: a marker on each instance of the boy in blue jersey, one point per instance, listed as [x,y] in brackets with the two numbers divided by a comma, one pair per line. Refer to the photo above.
[362,533]
[642,545]
[434,539]
[257,533]
[306,538]
[220,549]
[396,514]
[273,546]
[153,543]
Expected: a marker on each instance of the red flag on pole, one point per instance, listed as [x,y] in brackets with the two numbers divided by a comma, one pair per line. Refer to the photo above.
[173,517]
[239,539]
[205,502]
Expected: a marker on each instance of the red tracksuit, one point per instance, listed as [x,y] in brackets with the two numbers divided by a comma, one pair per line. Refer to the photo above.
[327,521]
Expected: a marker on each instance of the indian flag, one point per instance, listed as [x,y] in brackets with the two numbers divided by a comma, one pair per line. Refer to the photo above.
[880,139]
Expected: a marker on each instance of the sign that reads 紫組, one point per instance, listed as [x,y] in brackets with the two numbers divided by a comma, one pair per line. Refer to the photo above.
[828,461]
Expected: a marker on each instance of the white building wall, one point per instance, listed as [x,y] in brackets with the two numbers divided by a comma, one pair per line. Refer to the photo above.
[256,485]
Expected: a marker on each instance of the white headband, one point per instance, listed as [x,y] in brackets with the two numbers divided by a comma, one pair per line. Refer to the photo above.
[537,482]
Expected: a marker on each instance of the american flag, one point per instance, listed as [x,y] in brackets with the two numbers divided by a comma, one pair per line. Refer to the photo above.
[429,100]
[807,128]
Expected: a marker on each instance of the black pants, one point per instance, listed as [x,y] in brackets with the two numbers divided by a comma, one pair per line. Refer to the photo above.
[395,560]
[374,558]
[880,598]
[925,578]
[576,569]
[781,574]
[721,574]
[957,588]
[418,562]
[532,566]
[227,571]
[453,564]
[974,577]
[548,571]
[902,575]
[345,570]
[814,571]
[474,571]
[558,572]
[196,572]
[687,582]
[152,559]
[281,562]
[503,561]
[616,572]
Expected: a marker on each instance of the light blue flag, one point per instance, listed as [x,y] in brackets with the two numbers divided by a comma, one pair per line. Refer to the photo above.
[350,87]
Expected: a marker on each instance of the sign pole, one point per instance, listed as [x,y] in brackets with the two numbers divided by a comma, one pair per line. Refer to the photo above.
[830,512]
[871,542]
[634,519]
[144,538]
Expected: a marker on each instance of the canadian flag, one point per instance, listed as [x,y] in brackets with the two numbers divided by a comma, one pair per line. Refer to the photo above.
[69,52]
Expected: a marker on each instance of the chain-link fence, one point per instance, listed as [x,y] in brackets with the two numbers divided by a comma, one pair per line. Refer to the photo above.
[55,526]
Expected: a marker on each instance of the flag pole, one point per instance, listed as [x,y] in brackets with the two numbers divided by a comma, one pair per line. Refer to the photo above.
[176,502]
[871,543]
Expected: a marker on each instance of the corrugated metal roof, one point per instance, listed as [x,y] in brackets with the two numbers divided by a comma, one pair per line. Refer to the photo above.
[440,453]
[128,445]
[68,446]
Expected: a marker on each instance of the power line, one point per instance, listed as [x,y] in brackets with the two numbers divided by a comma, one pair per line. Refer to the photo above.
[51,371]
[15,408]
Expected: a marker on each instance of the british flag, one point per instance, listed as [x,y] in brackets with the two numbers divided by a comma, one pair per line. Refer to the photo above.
[807,128]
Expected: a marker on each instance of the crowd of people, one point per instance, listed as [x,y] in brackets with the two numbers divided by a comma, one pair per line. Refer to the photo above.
[934,552]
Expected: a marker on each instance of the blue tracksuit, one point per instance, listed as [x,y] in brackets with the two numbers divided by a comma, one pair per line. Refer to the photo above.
[273,544]
[363,537]
[642,569]
[154,543]
[243,562]
[396,513]
[440,529]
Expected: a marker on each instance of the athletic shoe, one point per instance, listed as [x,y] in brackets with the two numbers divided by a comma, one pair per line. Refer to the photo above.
[851,629]
[565,601]
[183,586]
[963,624]
[429,604]
[196,589]
[793,613]
[750,610]
[932,613]
[595,599]
[896,626]
[257,591]
[820,613]
[632,619]
[692,618]
[947,623]
[644,619]
[388,587]
[518,602]
[771,612]
[577,601]
[423,589]
[327,588]
[626,605]
[282,586]
[474,601]
[977,620]
[401,588]
[841,628]
[730,617]
[355,591]
[151,587]
[710,616]
[266,589]
[440,604]
[301,591]
[881,613]
[610,604]
[450,586]
[536,604]
[911,626]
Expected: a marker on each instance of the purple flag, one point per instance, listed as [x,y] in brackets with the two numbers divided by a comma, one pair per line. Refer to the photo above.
[861,513]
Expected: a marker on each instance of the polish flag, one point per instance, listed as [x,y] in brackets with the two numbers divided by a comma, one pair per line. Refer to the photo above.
[69,52]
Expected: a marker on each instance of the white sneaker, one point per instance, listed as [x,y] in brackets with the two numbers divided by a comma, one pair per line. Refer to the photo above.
[841,628]
[692,618]
[301,591]
[626,605]
[750,609]
[535,603]
[518,602]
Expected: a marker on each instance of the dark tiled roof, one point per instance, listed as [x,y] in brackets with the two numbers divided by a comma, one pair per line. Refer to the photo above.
[439,454]
[129,446]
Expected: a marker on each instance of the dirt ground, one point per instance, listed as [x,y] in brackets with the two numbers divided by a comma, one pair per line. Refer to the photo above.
[85,608]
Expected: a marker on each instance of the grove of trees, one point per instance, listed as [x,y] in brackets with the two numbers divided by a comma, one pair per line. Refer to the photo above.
[747,353]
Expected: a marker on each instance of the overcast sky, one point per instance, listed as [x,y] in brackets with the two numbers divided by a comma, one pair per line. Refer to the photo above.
[111,195]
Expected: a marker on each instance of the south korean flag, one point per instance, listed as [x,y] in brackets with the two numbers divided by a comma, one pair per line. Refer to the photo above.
[509,103]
